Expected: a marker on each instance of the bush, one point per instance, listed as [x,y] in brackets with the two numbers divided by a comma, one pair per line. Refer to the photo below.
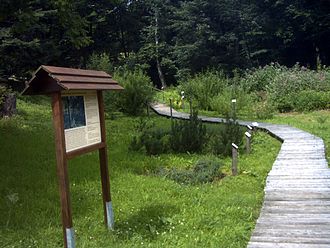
[258,79]
[137,92]
[188,136]
[289,82]
[204,171]
[223,105]
[204,86]
[309,100]
[264,110]
[155,141]
[228,133]
[282,84]
[100,62]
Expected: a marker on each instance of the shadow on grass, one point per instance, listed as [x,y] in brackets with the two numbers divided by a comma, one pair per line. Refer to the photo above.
[148,223]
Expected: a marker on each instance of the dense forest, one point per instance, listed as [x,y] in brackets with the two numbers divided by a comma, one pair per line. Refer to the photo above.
[169,39]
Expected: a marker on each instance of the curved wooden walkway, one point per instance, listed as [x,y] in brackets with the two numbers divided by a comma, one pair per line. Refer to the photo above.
[296,208]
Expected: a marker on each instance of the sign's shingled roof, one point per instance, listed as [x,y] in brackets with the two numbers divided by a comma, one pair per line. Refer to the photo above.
[49,79]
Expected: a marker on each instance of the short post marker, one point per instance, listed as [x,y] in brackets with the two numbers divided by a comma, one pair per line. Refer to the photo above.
[182,99]
[234,159]
[171,109]
[255,125]
[248,142]
[250,129]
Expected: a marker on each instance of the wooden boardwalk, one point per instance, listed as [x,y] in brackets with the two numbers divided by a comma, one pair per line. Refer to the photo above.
[296,208]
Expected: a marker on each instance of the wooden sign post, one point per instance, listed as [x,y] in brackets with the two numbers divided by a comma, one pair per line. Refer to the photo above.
[79,124]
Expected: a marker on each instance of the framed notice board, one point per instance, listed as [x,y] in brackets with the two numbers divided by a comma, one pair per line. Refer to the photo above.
[79,128]
[81,119]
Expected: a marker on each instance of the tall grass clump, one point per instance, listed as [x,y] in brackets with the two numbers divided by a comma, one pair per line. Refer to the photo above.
[204,86]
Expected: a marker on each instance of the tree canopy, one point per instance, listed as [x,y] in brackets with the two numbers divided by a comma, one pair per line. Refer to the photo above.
[170,39]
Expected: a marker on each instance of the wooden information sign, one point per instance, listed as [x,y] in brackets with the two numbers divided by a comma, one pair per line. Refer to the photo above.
[78,117]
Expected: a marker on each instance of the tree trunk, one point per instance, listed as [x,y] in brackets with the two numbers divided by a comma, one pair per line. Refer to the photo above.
[8,107]
[159,68]
[161,75]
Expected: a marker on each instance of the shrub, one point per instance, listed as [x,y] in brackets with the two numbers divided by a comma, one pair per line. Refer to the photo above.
[188,136]
[283,84]
[256,80]
[204,171]
[203,87]
[227,133]
[155,141]
[137,92]
[223,105]
[264,110]
[289,82]
[312,100]
[100,62]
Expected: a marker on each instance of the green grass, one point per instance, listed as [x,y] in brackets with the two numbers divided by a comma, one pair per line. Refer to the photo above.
[150,211]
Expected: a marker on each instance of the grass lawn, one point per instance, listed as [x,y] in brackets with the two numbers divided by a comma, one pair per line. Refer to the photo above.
[150,211]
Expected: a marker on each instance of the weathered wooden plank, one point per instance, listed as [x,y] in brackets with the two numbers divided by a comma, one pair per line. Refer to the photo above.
[285,245]
[306,233]
[296,210]
[309,202]
[309,240]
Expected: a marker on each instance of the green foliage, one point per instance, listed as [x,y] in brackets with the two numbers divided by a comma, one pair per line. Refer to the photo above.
[184,136]
[137,93]
[289,82]
[188,136]
[171,93]
[40,32]
[204,171]
[223,105]
[222,139]
[287,89]
[264,109]
[155,141]
[258,79]
[100,62]
[309,100]
[203,87]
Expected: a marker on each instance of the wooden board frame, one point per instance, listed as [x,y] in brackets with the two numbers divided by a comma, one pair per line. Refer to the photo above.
[62,158]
